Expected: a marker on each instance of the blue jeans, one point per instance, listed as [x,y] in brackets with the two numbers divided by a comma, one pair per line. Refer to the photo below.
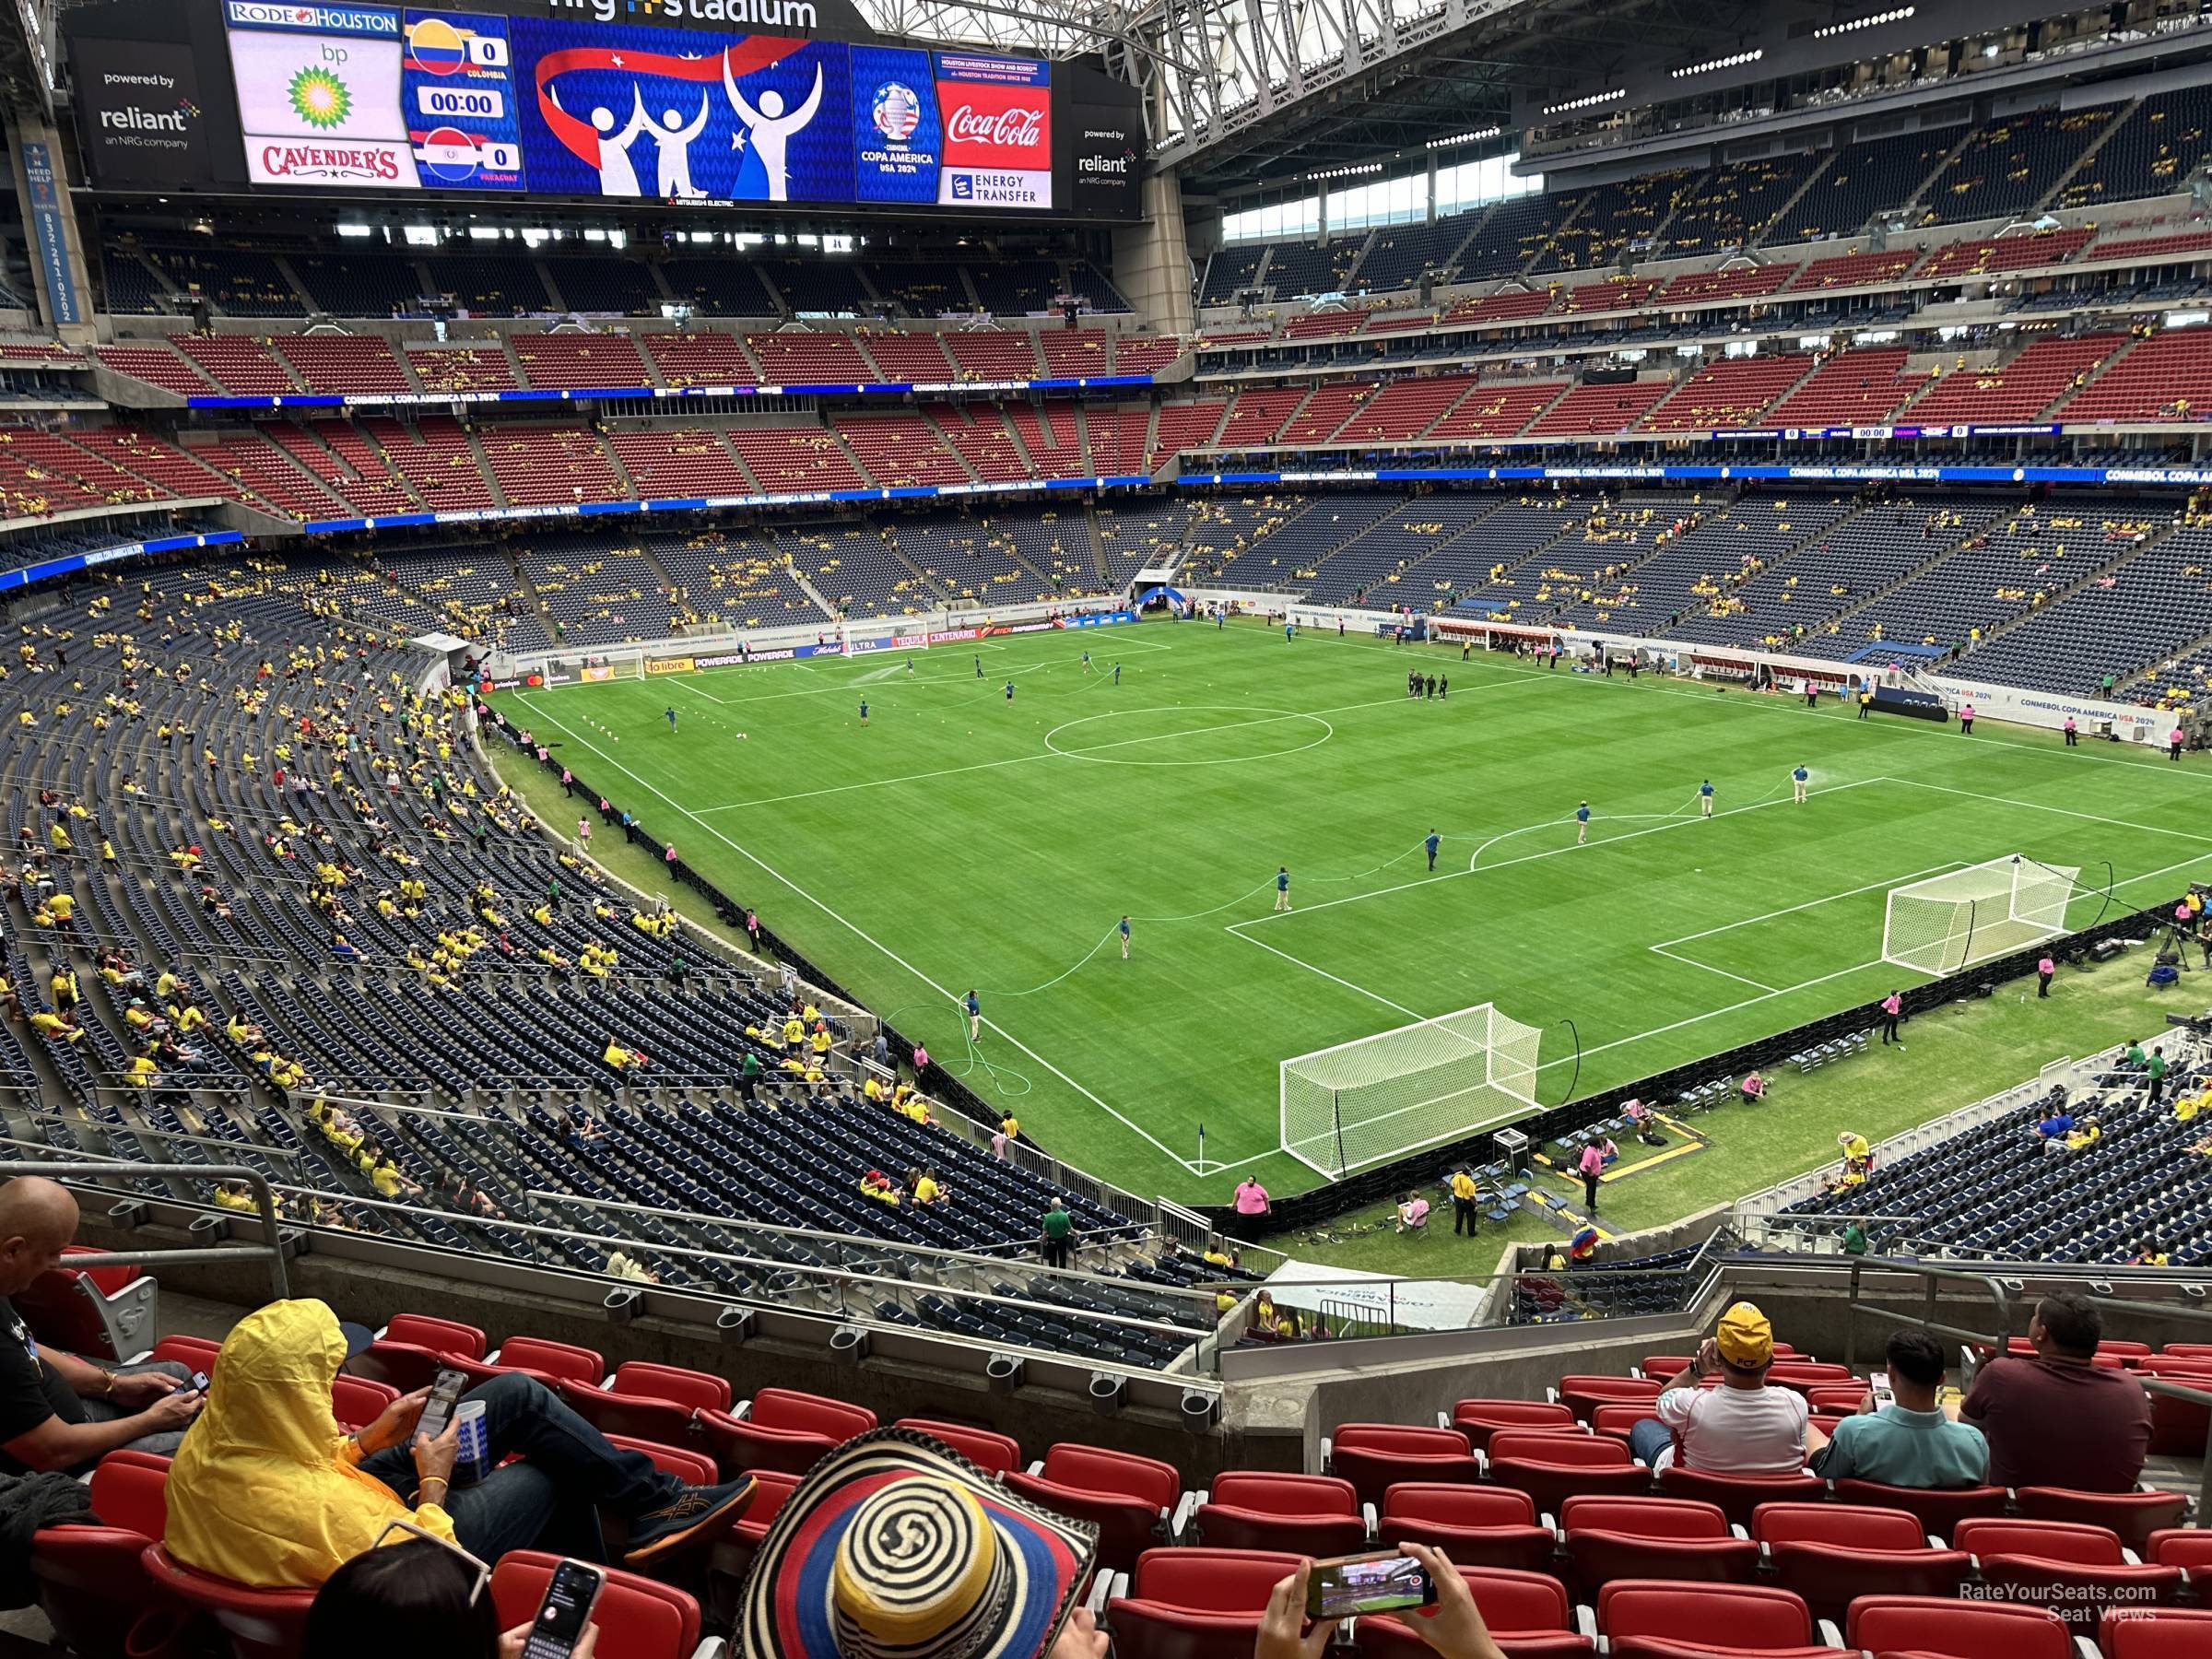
[102,1410]
[568,1470]
[1648,1439]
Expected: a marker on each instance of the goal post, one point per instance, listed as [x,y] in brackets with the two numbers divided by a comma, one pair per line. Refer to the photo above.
[1377,1098]
[1986,910]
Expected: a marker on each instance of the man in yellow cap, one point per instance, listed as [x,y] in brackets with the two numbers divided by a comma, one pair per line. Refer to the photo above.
[1741,1428]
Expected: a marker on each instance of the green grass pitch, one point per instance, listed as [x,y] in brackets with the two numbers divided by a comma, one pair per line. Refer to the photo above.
[959,840]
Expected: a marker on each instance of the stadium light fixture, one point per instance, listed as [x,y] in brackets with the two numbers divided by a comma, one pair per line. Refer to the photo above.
[1473,137]
[354,231]
[1589,101]
[1871,20]
[1360,171]
[1735,60]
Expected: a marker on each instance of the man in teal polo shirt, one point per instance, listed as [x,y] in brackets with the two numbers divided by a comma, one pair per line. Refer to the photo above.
[1913,1441]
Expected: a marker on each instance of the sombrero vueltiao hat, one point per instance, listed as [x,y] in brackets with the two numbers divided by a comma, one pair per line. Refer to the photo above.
[895,1546]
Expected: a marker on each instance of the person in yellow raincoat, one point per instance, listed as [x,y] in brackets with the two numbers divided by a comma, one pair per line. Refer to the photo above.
[267,1490]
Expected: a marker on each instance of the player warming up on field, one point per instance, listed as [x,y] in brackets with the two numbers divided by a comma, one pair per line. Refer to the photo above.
[1799,778]
[1009,690]
[863,711]
[1282,887]
[671,714]
[1582,823]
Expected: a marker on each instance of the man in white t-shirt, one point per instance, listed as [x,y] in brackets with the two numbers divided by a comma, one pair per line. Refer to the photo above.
[1741,1428]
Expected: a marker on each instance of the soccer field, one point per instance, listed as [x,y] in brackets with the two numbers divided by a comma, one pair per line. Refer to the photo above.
[961,840]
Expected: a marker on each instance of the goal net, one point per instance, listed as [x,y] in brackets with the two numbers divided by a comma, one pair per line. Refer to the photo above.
[1365,1101]
[1946,922]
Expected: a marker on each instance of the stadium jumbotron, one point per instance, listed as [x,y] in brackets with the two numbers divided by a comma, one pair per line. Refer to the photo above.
[1245,788]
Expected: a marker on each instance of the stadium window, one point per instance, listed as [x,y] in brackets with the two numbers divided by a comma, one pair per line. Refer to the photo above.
[1471,185]
[423,236]
[354,230]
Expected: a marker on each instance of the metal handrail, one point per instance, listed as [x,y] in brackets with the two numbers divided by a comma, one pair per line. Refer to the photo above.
[263,1201]
[2000,1299]
[766,1265]
[856,1241]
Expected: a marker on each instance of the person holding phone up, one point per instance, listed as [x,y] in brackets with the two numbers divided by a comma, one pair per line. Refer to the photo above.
[421,1598]
[1451,1624]
[269,1491]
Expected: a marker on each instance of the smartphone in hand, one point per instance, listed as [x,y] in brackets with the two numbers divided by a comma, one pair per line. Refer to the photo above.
[566,1609]
[438,1410]
[1350,1585]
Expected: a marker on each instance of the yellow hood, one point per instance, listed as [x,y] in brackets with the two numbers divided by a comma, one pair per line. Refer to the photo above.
[264,1490]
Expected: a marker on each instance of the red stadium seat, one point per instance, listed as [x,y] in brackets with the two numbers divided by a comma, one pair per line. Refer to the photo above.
[1609,1539]
[637,1617]
[1939,1510]
[1583,1395]
[1830,1553]
[2162,1633]
[1129,1498]
[1664,1368]
[2111,1348]
[1957,1629]
[544,1359]
[781,1429]
[404,1365]
[1477,1526]
[637,1416]
[1552,1468]
[2179,1428]
[1478,1419]
[1618,1417]
[357,1402]
[2073,1568]
[1315,1515]
[1653,1619]
[2133,1515]
[195,1353]
[1527,1613]
[1739,1494]
[92,1582]
[692,1389]
[692,1468]
[1195,1604]
[734,1551]
[1834,1396]
[1376,1456]
[988,1450]
[261,1624]
[100,1312]
[2189,1547]
[439,1335]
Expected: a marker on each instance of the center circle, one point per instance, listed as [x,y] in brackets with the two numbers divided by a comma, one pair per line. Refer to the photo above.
[1257,734]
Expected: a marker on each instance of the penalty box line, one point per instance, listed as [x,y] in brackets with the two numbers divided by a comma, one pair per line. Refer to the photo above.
[1664,946]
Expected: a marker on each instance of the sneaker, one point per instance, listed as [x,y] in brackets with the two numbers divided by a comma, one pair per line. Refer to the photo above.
[696,1515]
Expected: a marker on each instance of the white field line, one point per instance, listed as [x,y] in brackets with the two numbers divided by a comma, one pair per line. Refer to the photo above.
[682,685]
[867,938]
[2092,817]
[1691,962]
[1507,864]
[1071,754]
[1814,903]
